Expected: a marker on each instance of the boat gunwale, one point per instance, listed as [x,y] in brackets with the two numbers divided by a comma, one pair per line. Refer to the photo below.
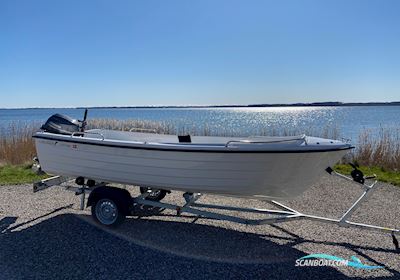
[167,148]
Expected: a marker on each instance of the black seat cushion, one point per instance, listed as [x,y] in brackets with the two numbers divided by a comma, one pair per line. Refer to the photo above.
[184,139]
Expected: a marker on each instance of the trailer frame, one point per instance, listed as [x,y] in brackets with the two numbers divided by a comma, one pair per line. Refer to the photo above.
[191,206]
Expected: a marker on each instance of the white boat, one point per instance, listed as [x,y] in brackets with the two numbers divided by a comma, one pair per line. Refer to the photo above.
[260,167]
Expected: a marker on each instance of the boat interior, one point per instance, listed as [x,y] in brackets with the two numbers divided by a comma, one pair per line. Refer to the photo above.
[128,136]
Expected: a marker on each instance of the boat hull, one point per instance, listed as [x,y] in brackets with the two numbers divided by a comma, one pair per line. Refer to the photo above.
[261,175]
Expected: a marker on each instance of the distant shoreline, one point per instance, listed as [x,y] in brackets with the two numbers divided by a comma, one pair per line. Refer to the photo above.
[314,104]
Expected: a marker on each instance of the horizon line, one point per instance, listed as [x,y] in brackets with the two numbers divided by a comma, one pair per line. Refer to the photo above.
[260,105]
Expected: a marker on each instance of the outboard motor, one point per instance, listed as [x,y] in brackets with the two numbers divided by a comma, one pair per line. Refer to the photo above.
[61,124]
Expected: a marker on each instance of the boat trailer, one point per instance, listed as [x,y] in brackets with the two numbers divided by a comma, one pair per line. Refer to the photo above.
[110,205]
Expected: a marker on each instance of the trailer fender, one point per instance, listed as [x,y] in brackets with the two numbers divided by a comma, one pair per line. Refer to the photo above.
[120,196]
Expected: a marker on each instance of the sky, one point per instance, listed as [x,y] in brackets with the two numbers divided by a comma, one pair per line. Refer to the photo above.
[131,53]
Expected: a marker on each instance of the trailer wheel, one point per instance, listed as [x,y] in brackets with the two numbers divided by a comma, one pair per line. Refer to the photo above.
[155,194]
[106,212]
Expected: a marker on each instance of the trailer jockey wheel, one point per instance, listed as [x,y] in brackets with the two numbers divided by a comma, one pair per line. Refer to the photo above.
[106,212]
[154,194]
[357,176]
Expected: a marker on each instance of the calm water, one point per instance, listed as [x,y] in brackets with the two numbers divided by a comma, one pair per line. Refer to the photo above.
[349,121]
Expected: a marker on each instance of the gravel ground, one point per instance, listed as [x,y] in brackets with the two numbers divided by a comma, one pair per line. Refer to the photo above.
[45,236]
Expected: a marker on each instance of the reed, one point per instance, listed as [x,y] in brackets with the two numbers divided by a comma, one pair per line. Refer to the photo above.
[16,143]
[381,149]
[132,125]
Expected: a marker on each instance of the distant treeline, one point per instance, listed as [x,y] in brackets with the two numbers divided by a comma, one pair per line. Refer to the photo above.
[314,104]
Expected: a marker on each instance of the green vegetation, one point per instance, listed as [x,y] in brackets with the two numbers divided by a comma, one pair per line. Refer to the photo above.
[22,174]
[392,177]
[18,174]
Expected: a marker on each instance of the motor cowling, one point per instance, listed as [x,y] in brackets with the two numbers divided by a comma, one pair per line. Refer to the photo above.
[61,124]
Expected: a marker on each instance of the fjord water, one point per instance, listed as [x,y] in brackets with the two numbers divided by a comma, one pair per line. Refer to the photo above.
[348,121]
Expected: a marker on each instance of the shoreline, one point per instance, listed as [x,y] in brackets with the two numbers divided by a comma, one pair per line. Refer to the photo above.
[380,152]
[312,104]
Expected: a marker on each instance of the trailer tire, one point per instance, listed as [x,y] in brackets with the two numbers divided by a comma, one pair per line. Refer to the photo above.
[107,213]
[109,205]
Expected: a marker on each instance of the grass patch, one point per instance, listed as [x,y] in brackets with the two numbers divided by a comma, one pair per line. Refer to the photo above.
[383,175]
[22,174]
[18,174]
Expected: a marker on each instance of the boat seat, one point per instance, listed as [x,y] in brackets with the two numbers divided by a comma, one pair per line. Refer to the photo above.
[184,139]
